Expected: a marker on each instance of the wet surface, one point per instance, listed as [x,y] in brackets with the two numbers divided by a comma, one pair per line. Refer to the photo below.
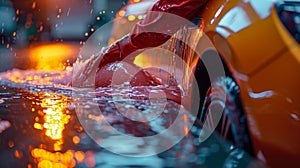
[40,128]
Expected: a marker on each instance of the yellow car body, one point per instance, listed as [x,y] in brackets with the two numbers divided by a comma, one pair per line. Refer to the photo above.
[263,57]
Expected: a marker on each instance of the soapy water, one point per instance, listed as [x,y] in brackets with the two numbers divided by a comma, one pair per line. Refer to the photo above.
[40,127]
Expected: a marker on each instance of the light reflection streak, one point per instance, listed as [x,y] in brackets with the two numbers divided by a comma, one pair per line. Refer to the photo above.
[51,121]
[55,117]
[265,94]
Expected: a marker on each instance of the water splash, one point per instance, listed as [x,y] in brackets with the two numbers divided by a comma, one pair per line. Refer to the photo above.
[183,44]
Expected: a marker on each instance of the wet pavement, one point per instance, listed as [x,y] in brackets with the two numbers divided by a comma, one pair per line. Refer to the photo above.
[40,128]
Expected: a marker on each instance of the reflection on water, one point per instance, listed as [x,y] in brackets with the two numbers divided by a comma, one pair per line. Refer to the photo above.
[47,159]
[52,118]
[55,116]
[43,131]
[47,113]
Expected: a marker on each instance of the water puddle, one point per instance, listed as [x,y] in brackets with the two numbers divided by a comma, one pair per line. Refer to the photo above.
[39,126]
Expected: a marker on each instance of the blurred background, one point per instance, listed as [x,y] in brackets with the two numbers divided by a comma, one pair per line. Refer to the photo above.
[34,32]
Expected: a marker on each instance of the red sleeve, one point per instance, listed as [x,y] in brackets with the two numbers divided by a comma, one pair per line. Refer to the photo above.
[158,26]
[145,33]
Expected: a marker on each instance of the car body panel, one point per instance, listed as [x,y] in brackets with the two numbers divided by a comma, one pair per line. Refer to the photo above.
[276,113]
[264,59]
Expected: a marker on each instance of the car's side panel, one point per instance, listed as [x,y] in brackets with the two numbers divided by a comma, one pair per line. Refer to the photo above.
[273,108]
[264,60]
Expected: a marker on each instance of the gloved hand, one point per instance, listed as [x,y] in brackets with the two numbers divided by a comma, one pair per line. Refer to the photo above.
[144,34]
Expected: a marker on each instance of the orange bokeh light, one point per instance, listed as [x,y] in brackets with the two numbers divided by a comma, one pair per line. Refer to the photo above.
[76,139]
[49,57]
[121,13]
